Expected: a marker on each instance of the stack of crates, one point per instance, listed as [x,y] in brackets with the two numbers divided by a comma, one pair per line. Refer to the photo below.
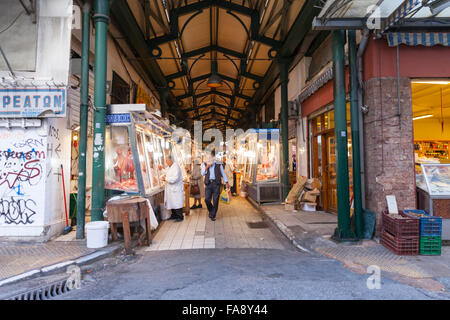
[400,235]
[430,232]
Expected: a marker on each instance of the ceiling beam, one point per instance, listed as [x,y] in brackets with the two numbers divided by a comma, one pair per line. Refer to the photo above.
[215,104]
[128,26]
[206,49]
[302,25]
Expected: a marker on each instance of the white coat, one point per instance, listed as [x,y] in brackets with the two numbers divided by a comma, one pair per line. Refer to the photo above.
[174,191]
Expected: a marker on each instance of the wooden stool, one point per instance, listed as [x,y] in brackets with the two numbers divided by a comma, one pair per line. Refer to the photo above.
[125,211]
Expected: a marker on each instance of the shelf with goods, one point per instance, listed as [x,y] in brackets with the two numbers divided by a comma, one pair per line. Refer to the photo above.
[432,149]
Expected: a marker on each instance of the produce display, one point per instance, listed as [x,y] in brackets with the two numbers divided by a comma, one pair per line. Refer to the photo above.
[126,185]
[418,215]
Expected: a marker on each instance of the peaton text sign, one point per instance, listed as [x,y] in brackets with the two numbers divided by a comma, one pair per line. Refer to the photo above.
[33,102]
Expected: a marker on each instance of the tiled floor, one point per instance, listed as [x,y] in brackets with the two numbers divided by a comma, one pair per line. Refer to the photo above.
[230,230]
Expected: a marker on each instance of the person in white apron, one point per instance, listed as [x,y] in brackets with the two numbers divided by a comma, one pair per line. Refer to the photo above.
[174,191]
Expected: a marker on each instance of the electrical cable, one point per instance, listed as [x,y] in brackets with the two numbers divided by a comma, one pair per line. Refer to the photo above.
[12,23]
[7,62]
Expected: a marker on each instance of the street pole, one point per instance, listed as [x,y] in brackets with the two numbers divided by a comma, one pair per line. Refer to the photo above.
[343,231]
[84,97]
[101,20]
[357,189]
[284,80]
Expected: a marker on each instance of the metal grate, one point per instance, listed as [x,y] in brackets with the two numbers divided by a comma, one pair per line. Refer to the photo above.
[258,225]
[44,293]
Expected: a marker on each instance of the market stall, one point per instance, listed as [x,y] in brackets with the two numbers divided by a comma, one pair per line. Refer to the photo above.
[259,164]
[431,147]
[137,144]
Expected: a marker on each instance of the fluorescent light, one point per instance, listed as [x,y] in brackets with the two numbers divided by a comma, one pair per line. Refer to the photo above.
[423,117]
[432,82]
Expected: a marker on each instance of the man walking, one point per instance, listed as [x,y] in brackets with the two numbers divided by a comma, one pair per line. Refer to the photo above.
[174,192]
[213,173]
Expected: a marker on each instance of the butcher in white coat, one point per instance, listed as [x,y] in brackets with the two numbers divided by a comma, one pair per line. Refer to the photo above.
[174,192]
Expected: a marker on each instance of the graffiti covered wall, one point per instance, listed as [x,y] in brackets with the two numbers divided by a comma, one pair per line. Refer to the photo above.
[23,154]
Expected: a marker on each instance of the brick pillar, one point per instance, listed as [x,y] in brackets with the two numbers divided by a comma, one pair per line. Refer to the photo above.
[389,146]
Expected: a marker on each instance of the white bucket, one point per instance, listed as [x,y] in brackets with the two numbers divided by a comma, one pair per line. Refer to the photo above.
[97,234]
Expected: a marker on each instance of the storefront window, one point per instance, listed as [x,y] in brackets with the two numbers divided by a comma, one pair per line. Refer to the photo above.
[324,157]
[268,165]
[119,164]
[153,164]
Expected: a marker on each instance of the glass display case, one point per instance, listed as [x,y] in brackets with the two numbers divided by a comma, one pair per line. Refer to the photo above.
[137,144]
[259,162]
[433,192]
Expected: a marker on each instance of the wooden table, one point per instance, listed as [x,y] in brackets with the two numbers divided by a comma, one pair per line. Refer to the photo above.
[125,211]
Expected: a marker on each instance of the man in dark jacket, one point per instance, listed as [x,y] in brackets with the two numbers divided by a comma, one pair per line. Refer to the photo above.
[213,173]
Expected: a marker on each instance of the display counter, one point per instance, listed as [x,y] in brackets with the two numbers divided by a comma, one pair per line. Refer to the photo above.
[433,192]
[136,146]
[259,164]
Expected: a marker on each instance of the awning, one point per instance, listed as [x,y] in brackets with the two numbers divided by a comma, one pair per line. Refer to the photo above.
[416,39]
[383,16]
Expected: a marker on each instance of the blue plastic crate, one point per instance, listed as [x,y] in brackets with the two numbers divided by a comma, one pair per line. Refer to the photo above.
[429,226]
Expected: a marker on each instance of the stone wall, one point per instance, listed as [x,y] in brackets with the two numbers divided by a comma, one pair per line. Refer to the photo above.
[389,150]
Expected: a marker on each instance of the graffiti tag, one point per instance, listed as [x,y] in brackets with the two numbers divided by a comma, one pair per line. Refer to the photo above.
[17,211]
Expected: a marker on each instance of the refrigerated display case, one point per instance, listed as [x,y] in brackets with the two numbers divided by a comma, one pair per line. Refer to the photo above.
[433,192]
[259,159]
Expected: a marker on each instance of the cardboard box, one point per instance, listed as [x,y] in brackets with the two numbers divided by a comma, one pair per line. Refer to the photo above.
[312,184]
[309,197]
[296,190]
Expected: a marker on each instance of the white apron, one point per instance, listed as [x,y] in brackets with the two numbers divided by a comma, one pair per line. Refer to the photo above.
[174,191]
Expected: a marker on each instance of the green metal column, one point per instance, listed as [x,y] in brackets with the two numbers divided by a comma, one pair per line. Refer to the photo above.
[101,20]
[357,193]
[343,231]
[84,96]
[284,80]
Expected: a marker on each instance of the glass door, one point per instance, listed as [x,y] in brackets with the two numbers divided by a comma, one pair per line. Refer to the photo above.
[331,173]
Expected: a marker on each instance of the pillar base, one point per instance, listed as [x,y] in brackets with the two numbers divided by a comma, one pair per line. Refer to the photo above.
[344,236]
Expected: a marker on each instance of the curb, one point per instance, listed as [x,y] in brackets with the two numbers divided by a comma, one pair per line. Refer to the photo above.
[283,229]
[61,266]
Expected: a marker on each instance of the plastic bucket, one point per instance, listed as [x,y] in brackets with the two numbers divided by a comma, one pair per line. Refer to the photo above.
[97,234]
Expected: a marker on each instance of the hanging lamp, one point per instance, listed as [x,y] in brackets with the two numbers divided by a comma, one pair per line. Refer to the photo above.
[214,81]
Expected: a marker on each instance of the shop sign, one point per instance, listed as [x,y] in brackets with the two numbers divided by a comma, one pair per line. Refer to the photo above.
[267,134]
[33,102]
[143,97]
[118,118]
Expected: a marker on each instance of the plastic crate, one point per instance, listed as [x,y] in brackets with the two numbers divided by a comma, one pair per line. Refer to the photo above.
[408,246]
[430,246]
[429,226]
[409,227]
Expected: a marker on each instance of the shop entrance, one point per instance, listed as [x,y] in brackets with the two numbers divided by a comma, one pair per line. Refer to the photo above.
[431,123]
[323,151]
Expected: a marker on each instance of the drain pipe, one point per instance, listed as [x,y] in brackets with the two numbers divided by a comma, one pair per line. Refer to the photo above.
[361,107]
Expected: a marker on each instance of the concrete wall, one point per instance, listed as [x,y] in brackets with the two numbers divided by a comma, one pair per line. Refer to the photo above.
[31,192]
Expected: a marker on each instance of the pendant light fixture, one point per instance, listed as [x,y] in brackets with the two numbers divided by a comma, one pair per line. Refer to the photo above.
[214,81]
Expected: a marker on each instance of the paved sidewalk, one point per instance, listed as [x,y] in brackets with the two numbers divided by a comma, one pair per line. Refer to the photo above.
[238,225]
[21,260]
[312,231]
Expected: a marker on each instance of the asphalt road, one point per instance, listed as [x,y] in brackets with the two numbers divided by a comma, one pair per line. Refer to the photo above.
[235,274]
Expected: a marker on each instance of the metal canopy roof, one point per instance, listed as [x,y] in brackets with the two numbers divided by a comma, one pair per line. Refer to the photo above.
[186,37]
[393,15]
